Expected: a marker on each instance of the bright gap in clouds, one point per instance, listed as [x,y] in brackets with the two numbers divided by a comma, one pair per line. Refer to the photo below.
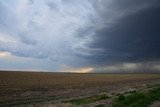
[68,69]
[4,54]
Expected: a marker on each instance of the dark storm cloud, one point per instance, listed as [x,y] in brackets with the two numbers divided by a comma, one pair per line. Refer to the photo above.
[114,33]
[134,37]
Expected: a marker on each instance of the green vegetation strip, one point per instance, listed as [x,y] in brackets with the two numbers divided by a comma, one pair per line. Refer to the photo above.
[138,99]
[88,100]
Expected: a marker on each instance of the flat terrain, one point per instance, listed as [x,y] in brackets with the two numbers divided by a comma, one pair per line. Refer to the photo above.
[29,87]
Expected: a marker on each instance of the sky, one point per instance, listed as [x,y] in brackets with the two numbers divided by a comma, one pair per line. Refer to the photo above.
[80,36]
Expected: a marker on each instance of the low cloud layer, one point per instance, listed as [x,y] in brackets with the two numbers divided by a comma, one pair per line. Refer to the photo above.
[147,67]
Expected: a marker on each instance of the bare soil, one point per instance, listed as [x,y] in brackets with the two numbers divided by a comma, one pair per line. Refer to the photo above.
[155,104]
[18,88]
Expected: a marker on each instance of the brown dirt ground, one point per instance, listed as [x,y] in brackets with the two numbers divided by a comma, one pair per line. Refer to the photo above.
[155,104]
[16,87]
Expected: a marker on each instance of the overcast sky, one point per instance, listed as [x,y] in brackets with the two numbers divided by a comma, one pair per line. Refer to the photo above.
[80,35]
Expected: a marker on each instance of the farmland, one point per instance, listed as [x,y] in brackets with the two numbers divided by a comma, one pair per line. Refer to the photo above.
[18,88]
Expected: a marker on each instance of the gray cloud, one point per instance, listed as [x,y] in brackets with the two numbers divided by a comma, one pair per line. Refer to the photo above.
[42,30]
[92,32]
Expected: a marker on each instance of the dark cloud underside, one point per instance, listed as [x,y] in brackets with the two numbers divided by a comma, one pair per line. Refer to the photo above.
[133,38]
